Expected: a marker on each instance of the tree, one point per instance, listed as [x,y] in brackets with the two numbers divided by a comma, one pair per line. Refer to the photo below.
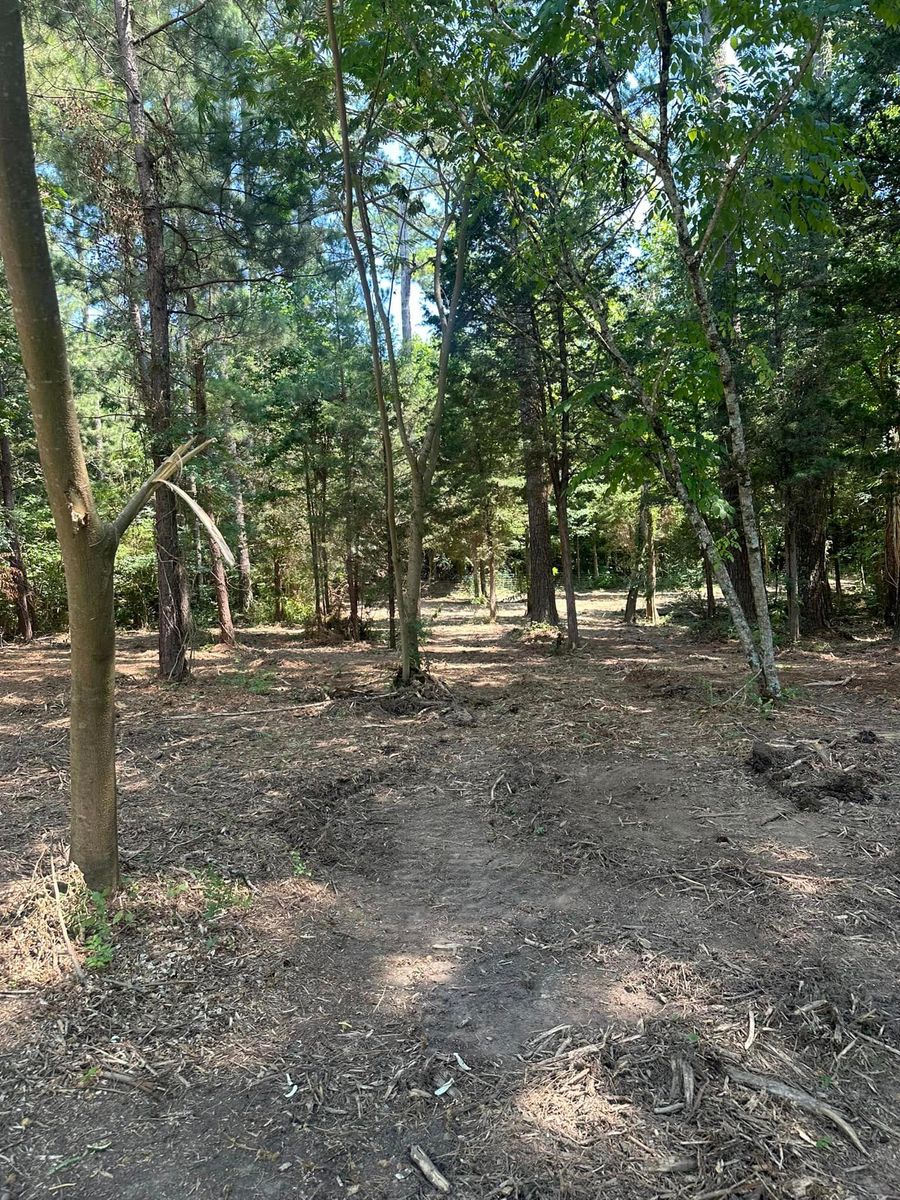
[87,542]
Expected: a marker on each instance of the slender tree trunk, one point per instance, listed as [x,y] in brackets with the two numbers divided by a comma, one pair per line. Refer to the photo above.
[391,599]
[352,595]
[595,560]
[770,684]
[24,597]
[560,474]
[790,564]
[201,425]
[245,591]
[810,520]
[405,282]
[174,602]
[710,587]
[476,575]
[650,595]
[891,552]
[220,587]
[492,582]
[313,542]
[738,561]
[637,561]
[412,660]
[87,544]
[541,590]
[278,590]
[565,558]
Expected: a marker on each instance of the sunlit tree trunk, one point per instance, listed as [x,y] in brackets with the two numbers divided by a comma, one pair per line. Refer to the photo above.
[87,544]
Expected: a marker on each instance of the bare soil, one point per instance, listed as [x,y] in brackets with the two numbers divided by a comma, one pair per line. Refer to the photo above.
[542,928]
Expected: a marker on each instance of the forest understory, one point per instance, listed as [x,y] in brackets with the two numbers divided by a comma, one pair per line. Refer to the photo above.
[590,924]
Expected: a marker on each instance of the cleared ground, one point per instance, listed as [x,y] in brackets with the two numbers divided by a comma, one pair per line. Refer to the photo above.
[551,928]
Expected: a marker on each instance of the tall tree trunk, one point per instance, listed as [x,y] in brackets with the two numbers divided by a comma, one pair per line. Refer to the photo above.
[412,591]
[594,559]
[891,552]
[810,519]
[738,561]
[25,617]
[541,591]
[476,574]
[492,581]
[637,560]
[174,601]
[560,473]
[220,587]
[88,545]
[405,282]
[650,594]
[245,591]
[391,598]
[791,572]
[278,590]
[740,460]
[352,595]
[201,426]
[313,540]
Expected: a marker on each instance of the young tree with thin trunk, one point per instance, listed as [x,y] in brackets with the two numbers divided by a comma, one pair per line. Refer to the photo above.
[88,543]
[421,454]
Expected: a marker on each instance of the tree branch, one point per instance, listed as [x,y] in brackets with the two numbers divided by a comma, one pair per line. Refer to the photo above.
[164,472]
[165,25]
[777,109]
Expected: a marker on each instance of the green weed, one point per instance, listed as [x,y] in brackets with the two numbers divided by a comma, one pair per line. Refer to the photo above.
[220,894]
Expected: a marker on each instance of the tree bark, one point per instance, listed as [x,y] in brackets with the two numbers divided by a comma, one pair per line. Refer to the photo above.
[650,595]
[637,561]
[790,569]
[278,590]
[541,590]
[174,601]
[560,471]
[492,582]
[25,615]
[405,283]
[87,544]
[313,540]
[739,457]
[809,517]
[892,552]
[220,587]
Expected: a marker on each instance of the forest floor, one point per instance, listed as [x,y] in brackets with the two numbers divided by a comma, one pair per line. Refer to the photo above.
[558,931]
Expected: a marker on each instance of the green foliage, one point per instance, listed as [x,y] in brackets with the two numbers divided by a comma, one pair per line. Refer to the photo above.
[299,868]
[220,894]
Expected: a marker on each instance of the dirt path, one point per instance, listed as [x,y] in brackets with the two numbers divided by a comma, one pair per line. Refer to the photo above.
[539,932]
